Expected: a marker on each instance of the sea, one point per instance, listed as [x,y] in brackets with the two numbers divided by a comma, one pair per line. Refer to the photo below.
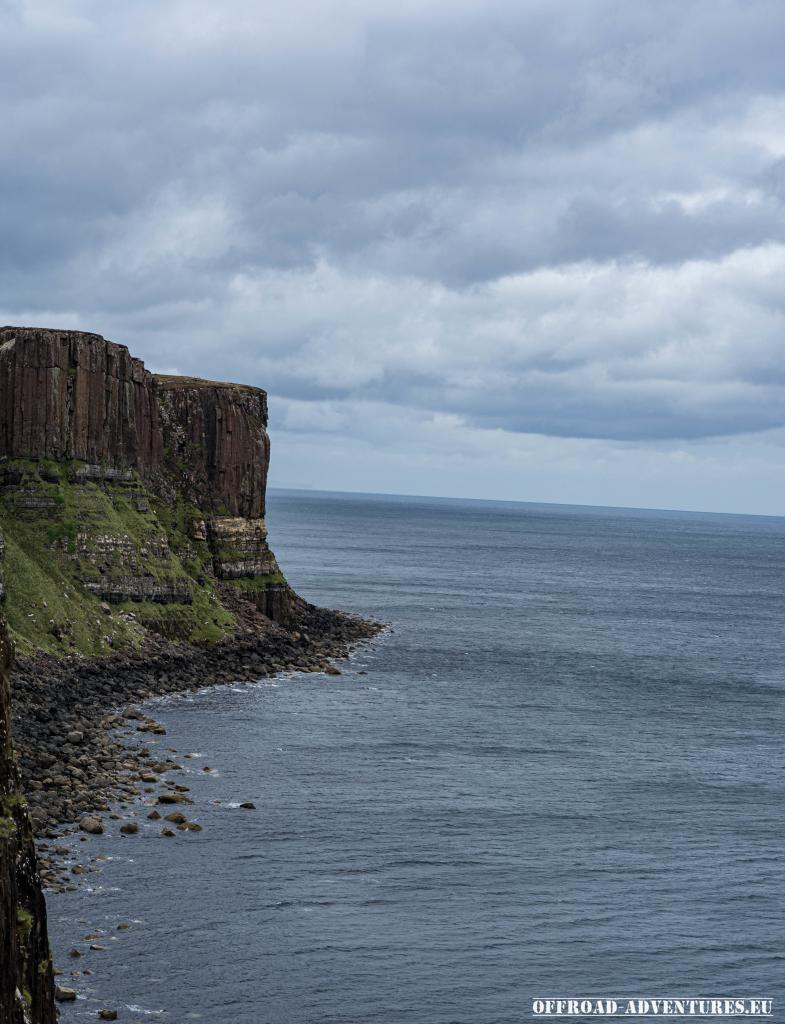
[558,773]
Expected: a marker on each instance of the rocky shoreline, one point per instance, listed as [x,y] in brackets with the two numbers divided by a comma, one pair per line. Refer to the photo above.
[73,718]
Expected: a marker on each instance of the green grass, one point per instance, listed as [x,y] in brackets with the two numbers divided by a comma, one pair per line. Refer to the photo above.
[48,606]
[253,584]
[203,621]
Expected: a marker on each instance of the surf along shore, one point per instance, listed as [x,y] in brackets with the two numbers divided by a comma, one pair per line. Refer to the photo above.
[73,719]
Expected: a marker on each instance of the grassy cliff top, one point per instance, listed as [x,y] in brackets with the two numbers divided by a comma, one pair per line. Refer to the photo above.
[169,382]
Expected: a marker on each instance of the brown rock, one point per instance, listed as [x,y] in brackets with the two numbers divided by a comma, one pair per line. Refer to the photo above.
[91,823]
[74,395]
[176,818]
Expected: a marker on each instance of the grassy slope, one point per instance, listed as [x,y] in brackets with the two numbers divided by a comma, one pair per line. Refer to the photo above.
[47,606]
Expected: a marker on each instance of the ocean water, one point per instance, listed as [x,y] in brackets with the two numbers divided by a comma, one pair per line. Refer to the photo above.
[561,775]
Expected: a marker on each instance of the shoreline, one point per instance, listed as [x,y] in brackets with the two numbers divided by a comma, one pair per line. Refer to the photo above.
[74,718]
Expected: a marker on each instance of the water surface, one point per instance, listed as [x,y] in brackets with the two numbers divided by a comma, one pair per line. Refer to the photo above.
[561,775]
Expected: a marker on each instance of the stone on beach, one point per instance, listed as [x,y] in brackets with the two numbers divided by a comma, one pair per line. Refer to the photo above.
[176,818]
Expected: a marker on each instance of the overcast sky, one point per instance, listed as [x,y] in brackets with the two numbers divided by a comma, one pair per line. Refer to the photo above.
[499,248]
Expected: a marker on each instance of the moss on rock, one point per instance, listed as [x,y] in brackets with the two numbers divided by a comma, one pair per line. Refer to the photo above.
[90,566]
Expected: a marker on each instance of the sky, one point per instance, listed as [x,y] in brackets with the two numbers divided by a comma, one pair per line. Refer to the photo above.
[515,249]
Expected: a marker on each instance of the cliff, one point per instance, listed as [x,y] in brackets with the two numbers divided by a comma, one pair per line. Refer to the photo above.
[129,502]
[131,528]
[26,985]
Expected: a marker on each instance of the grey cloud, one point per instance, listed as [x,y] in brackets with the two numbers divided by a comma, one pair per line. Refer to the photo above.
[366,200]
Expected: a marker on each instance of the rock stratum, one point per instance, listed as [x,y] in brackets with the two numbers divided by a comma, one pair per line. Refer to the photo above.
[129,502]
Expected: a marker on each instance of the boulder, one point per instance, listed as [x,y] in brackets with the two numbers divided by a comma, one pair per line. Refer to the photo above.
[91,823]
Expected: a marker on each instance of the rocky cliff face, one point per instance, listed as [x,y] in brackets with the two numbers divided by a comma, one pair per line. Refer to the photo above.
[218,432]
[26,986]
[68,395]
[128,501]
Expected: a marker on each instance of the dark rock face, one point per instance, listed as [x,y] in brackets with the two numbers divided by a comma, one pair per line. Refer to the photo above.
[68,395]
[26,983]
[219,432]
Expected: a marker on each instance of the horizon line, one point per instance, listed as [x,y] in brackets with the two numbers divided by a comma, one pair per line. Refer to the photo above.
[521,501]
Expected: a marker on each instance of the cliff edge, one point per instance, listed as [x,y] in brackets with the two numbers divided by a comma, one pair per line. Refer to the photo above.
[26,985]
[130,503]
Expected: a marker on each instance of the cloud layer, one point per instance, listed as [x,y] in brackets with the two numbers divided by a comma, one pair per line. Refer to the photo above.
[524,217]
